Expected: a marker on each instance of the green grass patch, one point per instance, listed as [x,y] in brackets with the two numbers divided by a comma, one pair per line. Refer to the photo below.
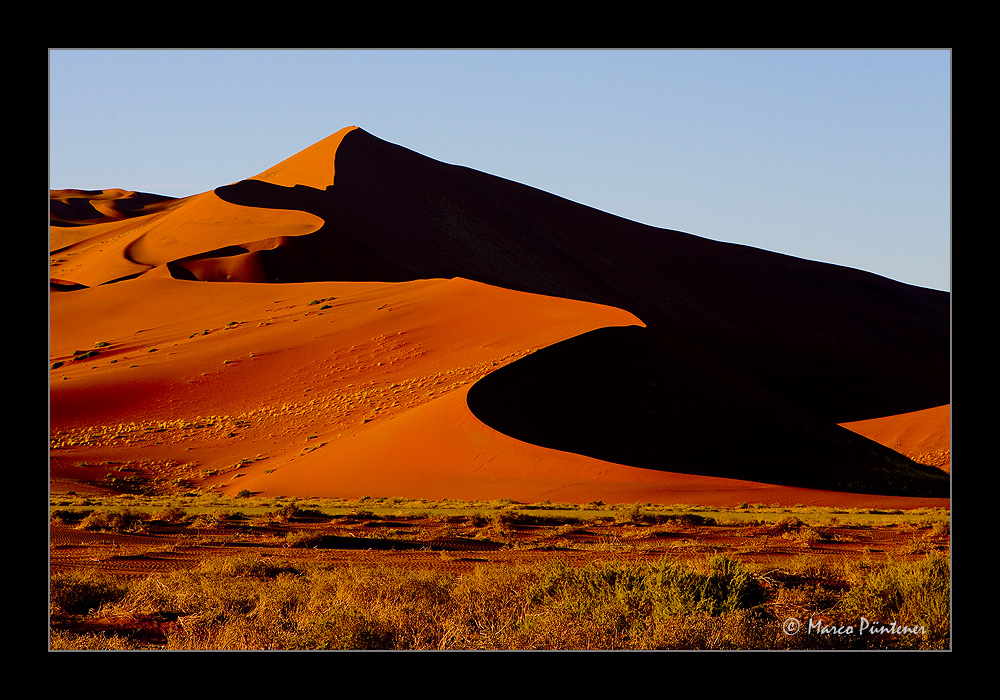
[508,511]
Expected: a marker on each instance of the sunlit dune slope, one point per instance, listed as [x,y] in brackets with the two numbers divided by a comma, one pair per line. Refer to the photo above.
[667,364]
[69,208]
[206,238]
[215,374]
[924,436]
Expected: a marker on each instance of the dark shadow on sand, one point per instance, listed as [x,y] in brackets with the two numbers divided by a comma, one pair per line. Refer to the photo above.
[626,396]
[748,361]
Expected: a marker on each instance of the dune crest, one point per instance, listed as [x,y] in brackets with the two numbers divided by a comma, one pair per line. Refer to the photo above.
[365,319]
[312,167]
[202,227]
[69,208]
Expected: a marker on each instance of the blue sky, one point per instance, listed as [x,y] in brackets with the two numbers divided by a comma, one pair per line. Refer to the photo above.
[841,156]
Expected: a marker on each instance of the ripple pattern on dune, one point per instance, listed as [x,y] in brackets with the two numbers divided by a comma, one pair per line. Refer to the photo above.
[742,366]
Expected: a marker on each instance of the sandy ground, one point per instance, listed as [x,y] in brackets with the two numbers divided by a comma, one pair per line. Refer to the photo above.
[193,343]
[924,436]
[362,393]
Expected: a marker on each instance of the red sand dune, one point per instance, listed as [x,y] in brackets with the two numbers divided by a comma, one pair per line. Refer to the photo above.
[398,326]
[924,436]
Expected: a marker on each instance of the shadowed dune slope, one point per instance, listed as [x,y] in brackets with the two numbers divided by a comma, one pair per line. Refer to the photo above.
[807,344]
[924,436]
[200,237]
[743,366]
[623,395]
[849,343]
[68,208]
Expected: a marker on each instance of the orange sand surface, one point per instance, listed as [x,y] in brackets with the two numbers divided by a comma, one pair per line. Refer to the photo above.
[924,436]
[239,339]
[296,377]
[362,393]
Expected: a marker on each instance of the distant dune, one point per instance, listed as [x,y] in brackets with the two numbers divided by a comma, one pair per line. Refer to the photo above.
[393,325]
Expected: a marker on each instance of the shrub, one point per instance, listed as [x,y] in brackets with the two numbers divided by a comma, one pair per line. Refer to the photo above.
[916,594]
[625,605]
[123,520]
[68,517]
[170,514]
[726,586]
[489,609]
[253,602]
[245,566]
[80,592]
[344,629]
[69,641]
[634,515]
[291,510]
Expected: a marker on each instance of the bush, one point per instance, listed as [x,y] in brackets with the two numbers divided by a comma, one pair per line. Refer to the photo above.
[69,641]
[123,520]
[68,517]
[627,605]
[252,602]
[916,594]
[170,514]
[245,566]
[81,592]
[724,588]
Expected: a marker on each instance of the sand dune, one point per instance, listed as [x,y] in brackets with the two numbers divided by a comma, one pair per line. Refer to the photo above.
[219,240]
[70,208]
[924,436]
[393,325]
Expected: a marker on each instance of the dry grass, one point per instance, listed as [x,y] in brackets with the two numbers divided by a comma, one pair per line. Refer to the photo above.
[244,603]
[395,574]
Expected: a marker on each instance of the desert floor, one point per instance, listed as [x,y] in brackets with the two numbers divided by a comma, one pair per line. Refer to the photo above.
[458,537]
[284,338]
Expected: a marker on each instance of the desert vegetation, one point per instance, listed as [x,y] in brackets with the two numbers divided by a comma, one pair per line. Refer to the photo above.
[204,572]
[433,330]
